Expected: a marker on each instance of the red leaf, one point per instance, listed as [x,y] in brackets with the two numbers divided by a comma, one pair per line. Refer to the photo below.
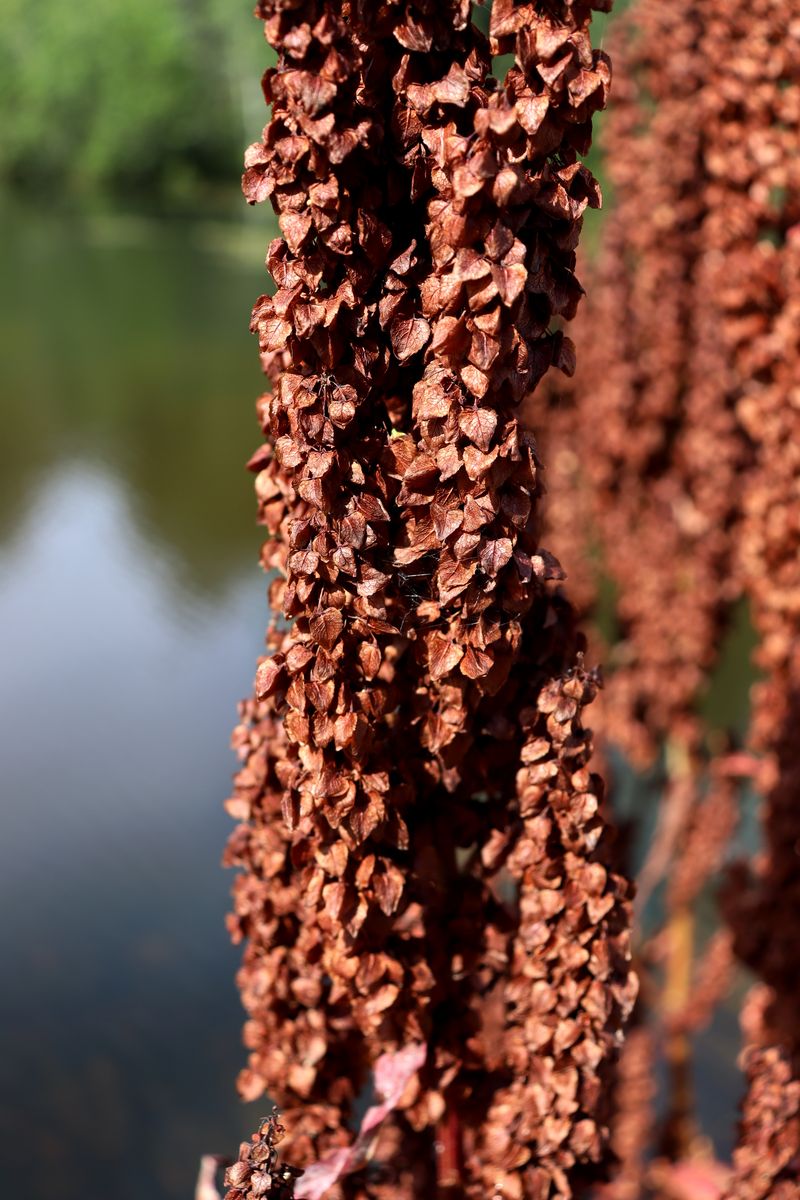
[371,580]
[454,88]
[273,332]
[304,562]
[446,521]
[475,663]
[452,579]
[564,357]
[470,265]
[475,381]
[430,401]
[510,281]
[413,36]
[505,18]
[388,887]
[450,337]
[295,227]
[258,183]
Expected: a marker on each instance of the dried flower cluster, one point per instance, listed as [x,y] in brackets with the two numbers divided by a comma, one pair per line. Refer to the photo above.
[425,858]
[679,439]
[258,1172]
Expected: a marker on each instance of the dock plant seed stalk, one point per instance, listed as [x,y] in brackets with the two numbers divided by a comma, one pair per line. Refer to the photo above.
[427,872]
[681,429]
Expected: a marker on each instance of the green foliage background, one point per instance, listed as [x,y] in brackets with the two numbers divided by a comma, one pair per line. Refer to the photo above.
[149,95]
[147,99]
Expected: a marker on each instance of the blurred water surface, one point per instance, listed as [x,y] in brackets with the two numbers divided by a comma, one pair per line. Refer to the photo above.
[131,608]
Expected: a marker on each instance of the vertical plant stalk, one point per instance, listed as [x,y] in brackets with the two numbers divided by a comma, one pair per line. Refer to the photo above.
[755,174]
[631,435]
[634,1120]
[426,863]
[692,474]
[502,259]
[679,1128]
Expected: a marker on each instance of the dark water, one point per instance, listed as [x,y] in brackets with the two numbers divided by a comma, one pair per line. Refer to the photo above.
[131,608]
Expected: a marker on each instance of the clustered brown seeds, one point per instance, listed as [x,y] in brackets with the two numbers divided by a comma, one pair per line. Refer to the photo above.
[424,855]
[761,292]
[766,1160]
[660,506]
[682,430]
[258,1172]
[632,1125]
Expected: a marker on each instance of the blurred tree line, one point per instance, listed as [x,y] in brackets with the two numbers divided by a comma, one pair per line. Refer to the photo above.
[148,97]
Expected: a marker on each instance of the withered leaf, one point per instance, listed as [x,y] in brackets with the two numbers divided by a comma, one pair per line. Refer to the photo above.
[389,885]
[304,562]
[446,520]
[309,90]
[495,555]
[476,663]
[370,658]
[476,382]
[270,675]
[531,111]
[477,463]
[565,358]
[413,35]
[479,425]
[409,336]
[371,580]
[443,655]
[452,578]
[344,730]
[326,627]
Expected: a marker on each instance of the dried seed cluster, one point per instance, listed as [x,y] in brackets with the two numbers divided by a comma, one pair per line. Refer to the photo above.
[423,850]
[766,1160]
[759,177]
[659,503]
[635,1089]
[257,1172]
[683,426]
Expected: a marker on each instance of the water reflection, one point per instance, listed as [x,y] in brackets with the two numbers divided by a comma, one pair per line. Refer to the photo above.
[125,342]
[130,607]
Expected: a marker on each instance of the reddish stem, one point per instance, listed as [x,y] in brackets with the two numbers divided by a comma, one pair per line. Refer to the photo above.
[449,1156]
